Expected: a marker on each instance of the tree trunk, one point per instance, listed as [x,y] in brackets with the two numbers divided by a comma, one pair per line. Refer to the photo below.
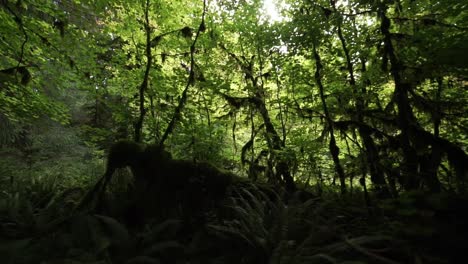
[334,150]
[405,117]
[372,155]
[144,84]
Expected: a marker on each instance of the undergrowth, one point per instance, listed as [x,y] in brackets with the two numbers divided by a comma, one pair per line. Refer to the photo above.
[251,227]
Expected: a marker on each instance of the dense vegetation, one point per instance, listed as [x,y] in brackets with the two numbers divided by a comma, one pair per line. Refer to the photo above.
[324,131]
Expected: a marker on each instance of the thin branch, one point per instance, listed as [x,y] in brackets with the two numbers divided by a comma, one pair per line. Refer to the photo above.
[19,21]
[190,81]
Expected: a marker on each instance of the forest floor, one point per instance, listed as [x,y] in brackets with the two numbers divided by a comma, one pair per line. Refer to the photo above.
[415,228]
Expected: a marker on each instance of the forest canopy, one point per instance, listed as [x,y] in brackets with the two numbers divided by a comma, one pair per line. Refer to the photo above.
[342,96]
[276,89]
